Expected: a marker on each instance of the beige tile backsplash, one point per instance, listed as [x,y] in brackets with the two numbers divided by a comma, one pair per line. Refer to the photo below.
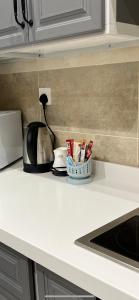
[98,102]
[102,98]
[20,91]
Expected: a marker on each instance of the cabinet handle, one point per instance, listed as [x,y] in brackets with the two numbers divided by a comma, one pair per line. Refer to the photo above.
[21,24]
[30,22]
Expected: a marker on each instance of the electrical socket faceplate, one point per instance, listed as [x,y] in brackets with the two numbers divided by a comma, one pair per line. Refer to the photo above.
[46,91]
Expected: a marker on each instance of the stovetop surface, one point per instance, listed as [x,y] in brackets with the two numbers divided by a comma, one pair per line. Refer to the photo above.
[118,240]
[123,239]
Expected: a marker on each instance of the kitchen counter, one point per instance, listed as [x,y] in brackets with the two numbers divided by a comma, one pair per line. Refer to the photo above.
[41,216]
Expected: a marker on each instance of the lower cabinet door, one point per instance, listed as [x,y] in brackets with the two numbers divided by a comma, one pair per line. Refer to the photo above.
[5,295]
[16,276]
[52,287]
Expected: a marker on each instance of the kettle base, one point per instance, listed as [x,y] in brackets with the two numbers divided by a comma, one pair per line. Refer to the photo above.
[43,168]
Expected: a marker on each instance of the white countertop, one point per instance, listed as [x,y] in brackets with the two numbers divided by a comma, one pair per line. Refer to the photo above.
[41,216]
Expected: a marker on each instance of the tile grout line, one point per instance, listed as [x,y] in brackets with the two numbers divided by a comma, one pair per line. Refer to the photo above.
[138,121]
[87,133]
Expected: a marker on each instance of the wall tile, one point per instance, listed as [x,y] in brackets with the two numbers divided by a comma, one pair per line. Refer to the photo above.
[20,91]
[99,81]
[103,98]
[107,148]
[117,150]
[115,116]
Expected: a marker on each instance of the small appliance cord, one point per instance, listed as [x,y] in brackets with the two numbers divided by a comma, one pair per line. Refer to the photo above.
[54,138]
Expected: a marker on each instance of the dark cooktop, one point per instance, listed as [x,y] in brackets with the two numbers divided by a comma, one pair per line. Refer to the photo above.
[118,240]
[123,239]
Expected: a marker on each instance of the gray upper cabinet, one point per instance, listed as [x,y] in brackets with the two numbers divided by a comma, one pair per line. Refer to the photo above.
[16,280]
[11,33]
[52,19]
[60,18]
[50,285]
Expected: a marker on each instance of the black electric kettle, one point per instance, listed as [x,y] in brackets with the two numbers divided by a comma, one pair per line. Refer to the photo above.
[38,148]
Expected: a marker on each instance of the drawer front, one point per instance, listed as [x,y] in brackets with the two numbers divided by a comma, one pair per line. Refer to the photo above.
[55,289]
[51,286]
[56,285]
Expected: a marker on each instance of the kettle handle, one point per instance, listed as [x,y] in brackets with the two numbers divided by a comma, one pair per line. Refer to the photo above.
[32,144]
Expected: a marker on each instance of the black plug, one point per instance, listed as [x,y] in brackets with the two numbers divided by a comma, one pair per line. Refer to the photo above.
[44,100]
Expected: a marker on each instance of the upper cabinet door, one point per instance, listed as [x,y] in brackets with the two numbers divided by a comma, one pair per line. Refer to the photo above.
[11,33]
[60,18]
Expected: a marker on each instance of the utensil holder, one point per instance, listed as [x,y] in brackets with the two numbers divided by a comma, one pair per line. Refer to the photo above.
[80,171]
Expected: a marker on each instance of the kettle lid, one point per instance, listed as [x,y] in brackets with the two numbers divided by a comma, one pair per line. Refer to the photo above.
[36,124]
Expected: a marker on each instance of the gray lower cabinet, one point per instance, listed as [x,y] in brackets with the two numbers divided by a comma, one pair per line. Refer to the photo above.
[16,276]
[51,286]
[11,33]
[59,18]
[22,279]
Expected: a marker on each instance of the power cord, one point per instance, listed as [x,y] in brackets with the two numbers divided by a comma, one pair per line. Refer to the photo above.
[44,100]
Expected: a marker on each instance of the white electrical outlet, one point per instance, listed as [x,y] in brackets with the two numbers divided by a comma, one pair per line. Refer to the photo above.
[46,91]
